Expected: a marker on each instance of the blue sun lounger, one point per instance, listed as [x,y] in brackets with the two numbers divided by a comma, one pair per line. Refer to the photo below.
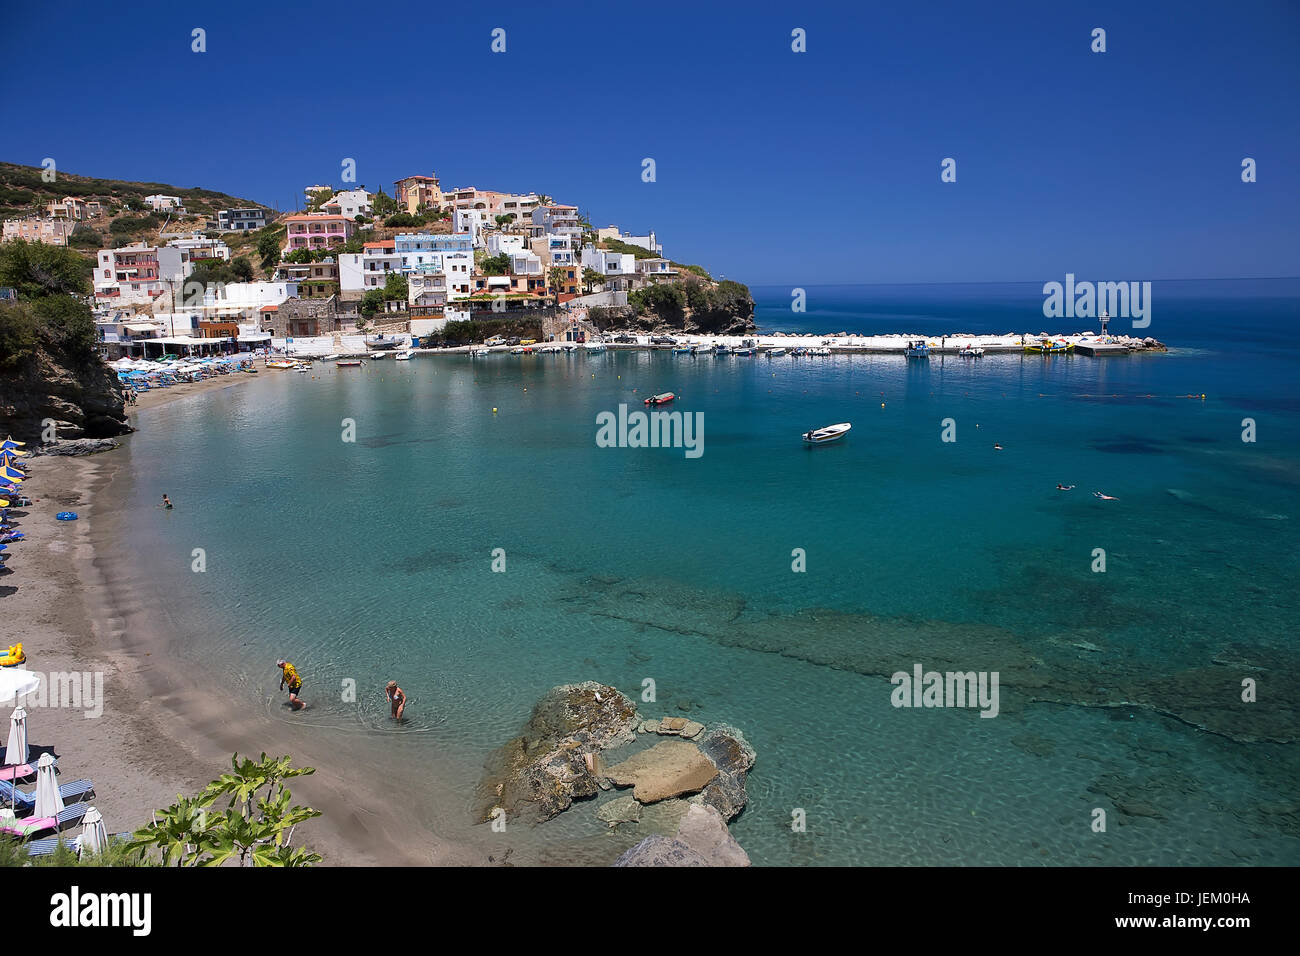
[47,845]
[26,802]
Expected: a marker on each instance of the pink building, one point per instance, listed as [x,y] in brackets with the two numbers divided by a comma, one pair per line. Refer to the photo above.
[315,231]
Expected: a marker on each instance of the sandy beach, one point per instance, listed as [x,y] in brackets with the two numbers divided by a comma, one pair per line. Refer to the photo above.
[164,729]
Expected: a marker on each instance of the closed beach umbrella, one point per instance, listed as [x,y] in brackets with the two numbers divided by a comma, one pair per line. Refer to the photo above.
[94,835]
[49,802]
[16,751]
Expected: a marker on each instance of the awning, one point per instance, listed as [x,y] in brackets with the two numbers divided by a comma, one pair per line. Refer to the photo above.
[143,328]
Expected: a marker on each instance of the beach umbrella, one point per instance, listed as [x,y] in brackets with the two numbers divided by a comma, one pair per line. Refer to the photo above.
[16,751]
[11,474]
[49,802]
[15,682]
[94,835]
[10,443]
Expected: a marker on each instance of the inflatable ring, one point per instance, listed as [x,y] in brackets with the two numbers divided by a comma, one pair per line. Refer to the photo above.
[14,657]
[66,516]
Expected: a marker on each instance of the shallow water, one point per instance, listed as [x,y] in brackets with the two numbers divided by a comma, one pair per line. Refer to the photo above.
[372,559]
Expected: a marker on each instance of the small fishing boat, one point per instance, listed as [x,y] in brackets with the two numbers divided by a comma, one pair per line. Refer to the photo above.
[701,349]
[971,351]
[300,367]
[800,352]
[376,356]
[775,351]
[405,355]
[384,342]
[819,351]
[480,352]
[917,350]
[682,350]
[663,398]
[824,436]
[522,350]
[720,349]
[595,347]
[348,363]
[742,350]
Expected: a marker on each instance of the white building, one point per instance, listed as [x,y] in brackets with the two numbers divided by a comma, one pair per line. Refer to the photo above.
[161,203]
[649,242]
[136,274]
[240,220]
[200,246]
[472,222]
[608,263]
[499,242]
[556,219]
[525,263]
[369,269]
[349,204]
[556,250]
[242,298]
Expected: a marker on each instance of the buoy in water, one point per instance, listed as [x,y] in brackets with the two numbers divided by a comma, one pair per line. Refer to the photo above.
[494,411]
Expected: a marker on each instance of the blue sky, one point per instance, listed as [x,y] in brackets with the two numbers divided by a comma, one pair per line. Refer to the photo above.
[772,166]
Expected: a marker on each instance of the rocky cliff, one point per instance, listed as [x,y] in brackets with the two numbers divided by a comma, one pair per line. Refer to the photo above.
[71,388]
[693,306]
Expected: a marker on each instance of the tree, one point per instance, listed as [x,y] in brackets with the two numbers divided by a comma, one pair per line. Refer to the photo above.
[503,219]
[555,277]
[242,268]
[83,237]
[396,287]
[37,269]
[590,277]
[268,247]
[371,302]
[319,198]
[497,265]
[403,220]
[252,829]
[383,204]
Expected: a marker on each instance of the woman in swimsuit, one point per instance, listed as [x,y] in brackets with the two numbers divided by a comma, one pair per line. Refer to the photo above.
[396,697]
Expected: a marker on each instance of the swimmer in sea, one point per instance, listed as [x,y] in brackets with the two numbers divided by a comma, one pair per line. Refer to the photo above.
[397,698]
[997,446]
[167,503]
[1098,494]
[1061,487]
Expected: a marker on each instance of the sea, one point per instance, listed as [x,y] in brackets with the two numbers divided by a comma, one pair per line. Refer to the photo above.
[452,523]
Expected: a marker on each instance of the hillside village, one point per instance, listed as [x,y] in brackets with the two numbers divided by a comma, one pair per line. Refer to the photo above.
[174,266]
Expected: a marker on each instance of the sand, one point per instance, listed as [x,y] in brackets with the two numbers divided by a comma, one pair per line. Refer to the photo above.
[165,730]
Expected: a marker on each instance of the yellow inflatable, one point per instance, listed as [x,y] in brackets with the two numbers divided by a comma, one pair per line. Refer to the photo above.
[15,656]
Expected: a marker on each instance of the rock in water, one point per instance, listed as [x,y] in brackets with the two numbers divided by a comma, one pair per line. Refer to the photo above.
[668,769]
[728,750]
[542,771]
[76,447]
[705,831]
[661,851]
[619,810]
[702,840]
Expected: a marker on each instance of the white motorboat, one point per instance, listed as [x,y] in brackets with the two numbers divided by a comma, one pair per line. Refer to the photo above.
[405,355]
[776,351]
[480,352]
[376,356]
[821,351]
[384,342]
[971,351]
[824,436]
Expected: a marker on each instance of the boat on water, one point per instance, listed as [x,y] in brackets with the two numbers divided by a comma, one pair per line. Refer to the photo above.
[682,350]
[742,350]
[775,351]
[405,355]
[663,398]
[281,363]
[800,351]
[823,350]
[917,350]
[376,356]
[595,347]
[824,436]
[522,350]
[1046,346]
[348,363]
[302,367]
[971,351]
[551,349]
[701,349]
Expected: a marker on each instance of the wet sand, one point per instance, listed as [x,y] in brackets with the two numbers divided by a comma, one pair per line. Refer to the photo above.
[167,729]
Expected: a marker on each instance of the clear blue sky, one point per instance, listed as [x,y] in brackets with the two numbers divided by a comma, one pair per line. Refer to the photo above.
[772,166]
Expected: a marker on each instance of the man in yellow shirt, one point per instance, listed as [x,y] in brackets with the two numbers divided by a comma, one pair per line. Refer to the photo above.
[291,678]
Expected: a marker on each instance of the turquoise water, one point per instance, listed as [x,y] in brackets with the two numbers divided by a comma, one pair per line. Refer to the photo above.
[372,559]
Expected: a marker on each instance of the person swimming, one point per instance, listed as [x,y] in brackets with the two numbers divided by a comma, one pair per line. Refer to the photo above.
[1061,487]
[397,698]
[167,503]
[1098,494]
[997,446]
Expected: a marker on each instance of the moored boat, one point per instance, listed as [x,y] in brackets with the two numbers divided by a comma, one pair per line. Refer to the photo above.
[800,351]
[776,351]
[819,351]
[824,436]
[917,350]
[682,350]
[1047,347]
[405,355]
[348,363]
[663,398]
[971,351]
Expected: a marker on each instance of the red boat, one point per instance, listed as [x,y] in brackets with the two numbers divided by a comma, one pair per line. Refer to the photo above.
[662,399]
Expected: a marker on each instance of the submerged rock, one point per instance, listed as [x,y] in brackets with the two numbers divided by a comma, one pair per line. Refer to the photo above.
[702,839]
[668,769]
[553,762]
[619,810]
[729,751]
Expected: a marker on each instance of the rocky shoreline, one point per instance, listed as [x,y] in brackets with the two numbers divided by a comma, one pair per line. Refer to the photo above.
[586,740]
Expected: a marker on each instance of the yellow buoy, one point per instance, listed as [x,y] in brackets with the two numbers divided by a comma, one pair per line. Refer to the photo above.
[494,411]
